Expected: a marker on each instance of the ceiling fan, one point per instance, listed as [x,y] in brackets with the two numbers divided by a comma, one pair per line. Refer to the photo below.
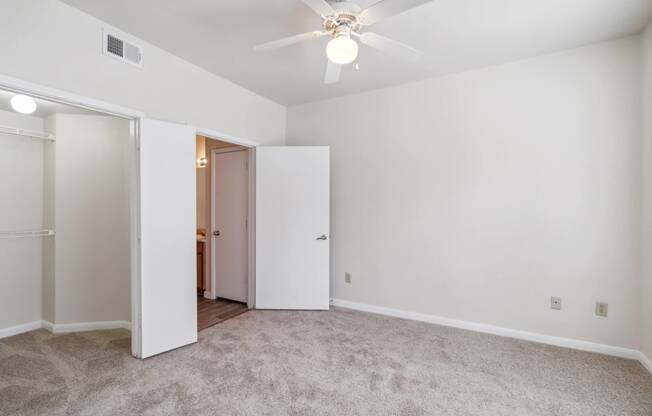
[343,20]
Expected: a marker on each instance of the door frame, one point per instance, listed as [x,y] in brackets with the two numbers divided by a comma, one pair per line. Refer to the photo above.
[134,116]
[20,86]
[250,148]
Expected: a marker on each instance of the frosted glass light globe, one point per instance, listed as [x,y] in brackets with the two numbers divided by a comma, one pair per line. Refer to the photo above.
[23,104]
[342,50]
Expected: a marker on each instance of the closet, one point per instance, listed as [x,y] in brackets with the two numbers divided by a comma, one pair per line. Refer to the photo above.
[64,219]
[26,229]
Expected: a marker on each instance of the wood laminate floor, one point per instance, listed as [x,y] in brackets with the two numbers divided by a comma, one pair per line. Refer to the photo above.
[211,312]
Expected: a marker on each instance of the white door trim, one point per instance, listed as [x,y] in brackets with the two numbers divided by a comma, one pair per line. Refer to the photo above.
[68,98]
[223,137]
[251,221]
[251,215]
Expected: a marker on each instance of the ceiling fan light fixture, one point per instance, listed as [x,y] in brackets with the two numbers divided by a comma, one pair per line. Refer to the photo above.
[342,50]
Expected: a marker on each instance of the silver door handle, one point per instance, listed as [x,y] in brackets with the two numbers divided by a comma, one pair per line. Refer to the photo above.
[322,237]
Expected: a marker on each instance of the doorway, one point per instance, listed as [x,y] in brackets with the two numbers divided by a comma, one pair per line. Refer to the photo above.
[65,228]
[222,230]
[162,207]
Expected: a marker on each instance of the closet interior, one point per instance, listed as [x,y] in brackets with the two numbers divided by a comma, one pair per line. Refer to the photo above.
[64,217]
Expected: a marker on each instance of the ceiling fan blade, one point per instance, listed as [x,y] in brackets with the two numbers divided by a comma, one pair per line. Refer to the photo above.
[320,6]
[332,73]
[391,47]
[291,40]
[387,8]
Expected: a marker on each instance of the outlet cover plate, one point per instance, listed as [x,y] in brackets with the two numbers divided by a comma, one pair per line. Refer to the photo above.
[602,309]
[555,303]
[347,277]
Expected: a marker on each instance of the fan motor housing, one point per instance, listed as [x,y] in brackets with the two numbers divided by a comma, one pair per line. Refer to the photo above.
[345,19]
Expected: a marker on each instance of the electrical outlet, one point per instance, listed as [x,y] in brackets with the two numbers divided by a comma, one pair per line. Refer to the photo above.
[555,303]
[347,277]
[601,308]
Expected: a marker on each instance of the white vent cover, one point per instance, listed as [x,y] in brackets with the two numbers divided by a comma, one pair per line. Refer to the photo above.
[115,46]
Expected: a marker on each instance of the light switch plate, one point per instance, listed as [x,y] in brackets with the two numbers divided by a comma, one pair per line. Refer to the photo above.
[555,303]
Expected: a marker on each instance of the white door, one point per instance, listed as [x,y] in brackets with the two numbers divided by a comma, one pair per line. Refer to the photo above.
[168,299]
[292,227]
[230,188]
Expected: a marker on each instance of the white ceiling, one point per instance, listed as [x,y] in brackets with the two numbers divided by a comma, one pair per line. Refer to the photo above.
[43,108]
[456,35]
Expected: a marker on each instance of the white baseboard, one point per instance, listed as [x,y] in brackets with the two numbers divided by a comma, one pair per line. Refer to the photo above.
[497,330]
[646,362]
[63,328]
[19,329]
[85,326]
[47,325]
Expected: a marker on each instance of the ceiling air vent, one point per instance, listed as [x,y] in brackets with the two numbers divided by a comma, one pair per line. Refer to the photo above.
[116,47]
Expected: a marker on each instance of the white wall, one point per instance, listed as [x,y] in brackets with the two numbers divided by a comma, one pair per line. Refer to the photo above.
[646,290]
[479,195]
[21,208]
[91,280]
[50,43]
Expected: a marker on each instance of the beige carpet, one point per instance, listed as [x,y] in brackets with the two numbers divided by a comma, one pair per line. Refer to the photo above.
[316,363]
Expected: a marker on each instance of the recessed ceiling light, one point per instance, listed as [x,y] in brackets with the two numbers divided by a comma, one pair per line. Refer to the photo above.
[23,104]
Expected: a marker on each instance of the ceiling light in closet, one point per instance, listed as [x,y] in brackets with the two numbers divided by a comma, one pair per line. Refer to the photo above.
[23,104]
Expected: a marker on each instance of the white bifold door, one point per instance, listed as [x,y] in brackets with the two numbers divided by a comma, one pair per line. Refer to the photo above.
[168,301]
[292,228]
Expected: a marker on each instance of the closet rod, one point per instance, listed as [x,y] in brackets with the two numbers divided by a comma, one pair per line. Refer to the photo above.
[21,234]
[28,133]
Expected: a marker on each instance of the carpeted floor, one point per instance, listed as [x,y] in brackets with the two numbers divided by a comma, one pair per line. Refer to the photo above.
[316,363]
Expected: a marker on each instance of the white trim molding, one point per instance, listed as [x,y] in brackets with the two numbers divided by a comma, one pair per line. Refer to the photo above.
[500,331]
[645,361]
[212,134]
[20,329]
[85,326]
[63,328]
[64,97]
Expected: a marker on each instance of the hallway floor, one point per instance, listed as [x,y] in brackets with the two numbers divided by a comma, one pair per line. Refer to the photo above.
[211,312]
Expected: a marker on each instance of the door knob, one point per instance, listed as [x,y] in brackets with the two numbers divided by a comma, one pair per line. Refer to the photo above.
[322,237]
[216,233]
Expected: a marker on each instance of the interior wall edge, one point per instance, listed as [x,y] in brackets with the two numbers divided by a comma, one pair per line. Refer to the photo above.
[646,361]
[645,291]
[575,344]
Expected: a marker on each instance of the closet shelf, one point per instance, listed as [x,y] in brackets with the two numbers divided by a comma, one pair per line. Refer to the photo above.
[27,133]
[29,233]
